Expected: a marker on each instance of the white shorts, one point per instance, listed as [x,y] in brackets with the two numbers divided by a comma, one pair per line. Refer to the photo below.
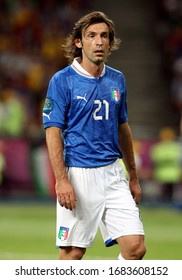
[103,200]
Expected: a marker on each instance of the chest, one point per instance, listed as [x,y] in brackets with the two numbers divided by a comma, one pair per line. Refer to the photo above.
[99,98]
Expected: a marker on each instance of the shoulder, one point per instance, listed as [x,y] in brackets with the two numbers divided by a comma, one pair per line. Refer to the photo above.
[115,71]
[115,75]
[62,74]
[112,71]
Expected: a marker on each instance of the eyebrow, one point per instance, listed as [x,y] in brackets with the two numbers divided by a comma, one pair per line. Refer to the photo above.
[94,32]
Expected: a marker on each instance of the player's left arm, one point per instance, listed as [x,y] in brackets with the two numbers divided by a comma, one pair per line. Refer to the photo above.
[126,145]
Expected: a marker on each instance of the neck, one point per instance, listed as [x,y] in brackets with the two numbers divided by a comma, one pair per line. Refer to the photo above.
[92,68]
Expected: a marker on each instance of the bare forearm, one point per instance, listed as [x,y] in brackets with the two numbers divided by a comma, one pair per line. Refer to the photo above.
[64,189]
[55,149]
[126,145]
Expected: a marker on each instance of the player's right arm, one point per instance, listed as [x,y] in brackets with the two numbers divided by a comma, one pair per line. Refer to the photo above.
[64,190]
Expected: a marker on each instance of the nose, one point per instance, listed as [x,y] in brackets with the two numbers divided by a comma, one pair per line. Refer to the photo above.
[99,40]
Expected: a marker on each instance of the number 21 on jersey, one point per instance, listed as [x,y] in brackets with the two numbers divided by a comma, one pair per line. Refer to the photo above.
[100,103]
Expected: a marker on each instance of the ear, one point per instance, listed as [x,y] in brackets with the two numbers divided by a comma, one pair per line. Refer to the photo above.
[78,43]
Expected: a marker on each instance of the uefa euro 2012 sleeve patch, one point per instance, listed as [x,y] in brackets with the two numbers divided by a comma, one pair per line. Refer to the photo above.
[48,105]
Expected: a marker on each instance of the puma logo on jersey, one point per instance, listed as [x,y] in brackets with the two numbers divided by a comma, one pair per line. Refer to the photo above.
[82,97]
[47,115]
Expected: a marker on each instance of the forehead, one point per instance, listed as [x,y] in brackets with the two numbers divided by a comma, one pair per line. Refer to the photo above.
[97,27]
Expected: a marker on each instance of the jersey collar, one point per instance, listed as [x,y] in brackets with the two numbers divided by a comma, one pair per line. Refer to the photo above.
[81,71]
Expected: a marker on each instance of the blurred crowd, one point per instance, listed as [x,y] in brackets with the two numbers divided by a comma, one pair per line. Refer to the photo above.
[166,154]
[169,35]
[161,173]
[31,34]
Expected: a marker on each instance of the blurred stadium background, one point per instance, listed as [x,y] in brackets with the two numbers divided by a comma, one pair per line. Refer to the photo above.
[150,56]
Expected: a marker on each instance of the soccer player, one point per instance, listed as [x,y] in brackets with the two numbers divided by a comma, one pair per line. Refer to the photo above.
[87,131]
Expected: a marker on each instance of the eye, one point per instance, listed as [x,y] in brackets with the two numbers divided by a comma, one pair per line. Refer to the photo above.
[105,36]
[91,35]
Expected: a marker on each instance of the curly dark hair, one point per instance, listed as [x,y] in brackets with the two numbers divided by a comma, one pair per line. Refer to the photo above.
[72,51]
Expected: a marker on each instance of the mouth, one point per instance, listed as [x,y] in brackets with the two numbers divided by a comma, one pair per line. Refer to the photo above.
[99,52]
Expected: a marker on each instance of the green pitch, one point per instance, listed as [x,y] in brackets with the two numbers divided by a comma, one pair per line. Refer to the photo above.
[27,232]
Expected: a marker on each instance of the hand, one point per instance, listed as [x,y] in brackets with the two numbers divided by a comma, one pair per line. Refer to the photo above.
[136,192]
[65,194]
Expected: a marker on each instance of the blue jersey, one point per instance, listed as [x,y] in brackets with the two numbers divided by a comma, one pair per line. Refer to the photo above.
[88,110]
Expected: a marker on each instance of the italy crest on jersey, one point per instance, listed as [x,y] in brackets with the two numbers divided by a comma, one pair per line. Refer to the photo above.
[115,94]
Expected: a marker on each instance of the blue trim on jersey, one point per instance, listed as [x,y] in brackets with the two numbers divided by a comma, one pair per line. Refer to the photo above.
[56,124]
[88,111]
[110,242]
